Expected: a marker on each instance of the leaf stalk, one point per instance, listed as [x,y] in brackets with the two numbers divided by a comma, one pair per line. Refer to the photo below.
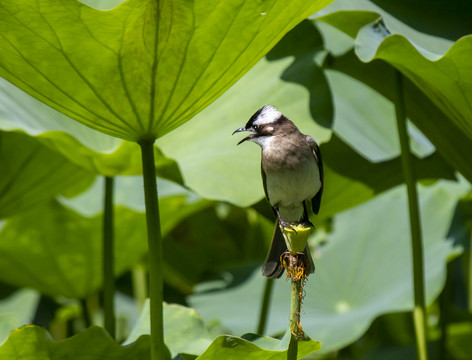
[419,312]
[156,279]
[265,306]
[108,259]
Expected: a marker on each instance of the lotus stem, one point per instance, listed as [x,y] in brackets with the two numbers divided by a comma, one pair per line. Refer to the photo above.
[156,279]
[419,311]
[265,306]
[108,259]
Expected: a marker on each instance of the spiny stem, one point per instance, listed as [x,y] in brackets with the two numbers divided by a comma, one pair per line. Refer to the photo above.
[156,280]
[108,259]
[265,306]
[295,327]
[419,312]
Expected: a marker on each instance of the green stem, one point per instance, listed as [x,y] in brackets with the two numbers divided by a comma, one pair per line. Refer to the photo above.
[419,312]
[292,352]
[445,303]
[470,275]
[108,259]
[156,279]
[86,313]
[295,328]
[265,306]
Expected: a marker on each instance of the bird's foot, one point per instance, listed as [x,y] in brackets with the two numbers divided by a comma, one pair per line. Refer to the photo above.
[286,225]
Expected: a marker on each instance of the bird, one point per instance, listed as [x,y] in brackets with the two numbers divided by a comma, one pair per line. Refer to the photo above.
[292,176]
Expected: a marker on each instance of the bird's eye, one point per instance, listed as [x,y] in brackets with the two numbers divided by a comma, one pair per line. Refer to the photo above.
[255,126]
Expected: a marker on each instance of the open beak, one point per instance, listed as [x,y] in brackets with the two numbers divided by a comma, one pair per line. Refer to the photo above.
[244,139]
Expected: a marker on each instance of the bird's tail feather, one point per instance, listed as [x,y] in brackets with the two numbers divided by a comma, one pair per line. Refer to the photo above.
[272,267]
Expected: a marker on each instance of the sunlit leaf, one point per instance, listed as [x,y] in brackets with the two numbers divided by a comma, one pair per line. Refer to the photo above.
[184,330]
[58,252]
[16,310]
[87,148]
[142,68]
[263,348]
[31,174]
[33,343]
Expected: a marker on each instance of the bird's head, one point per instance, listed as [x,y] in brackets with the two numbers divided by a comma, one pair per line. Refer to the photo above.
[262,125]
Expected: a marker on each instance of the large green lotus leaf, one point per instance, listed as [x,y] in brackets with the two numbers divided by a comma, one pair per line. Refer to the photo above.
[58,251]
[446,80]
[89,149]
[185,333]
[449,140]
[142,68]
[216,169]
[16,310]
[35,343]
[259,348]
[362,271]
[31,174]
[350,15]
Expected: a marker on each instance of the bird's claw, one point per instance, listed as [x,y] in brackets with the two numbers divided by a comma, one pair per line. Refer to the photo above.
[286,225]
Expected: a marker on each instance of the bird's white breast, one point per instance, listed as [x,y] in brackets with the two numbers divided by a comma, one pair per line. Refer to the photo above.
[288,187]
[291,187]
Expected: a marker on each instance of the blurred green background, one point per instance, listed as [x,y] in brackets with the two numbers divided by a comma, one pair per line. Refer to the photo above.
[333,75]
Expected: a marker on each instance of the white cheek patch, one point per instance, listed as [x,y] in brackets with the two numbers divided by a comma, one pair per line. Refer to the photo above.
[264,142]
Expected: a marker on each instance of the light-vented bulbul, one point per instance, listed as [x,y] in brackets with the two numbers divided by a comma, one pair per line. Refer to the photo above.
[292,175]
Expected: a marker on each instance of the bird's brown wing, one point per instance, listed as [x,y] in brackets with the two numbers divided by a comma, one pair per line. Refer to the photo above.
[316,200]
[264,183]
[272,267]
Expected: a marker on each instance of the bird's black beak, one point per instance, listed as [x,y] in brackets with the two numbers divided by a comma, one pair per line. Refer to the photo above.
[239,130]
[244,139]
